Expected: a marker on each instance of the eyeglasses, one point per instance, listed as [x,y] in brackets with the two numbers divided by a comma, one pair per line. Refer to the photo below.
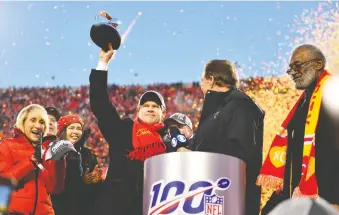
[298,66]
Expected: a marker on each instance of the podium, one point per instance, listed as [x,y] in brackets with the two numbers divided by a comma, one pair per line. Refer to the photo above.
[181,183]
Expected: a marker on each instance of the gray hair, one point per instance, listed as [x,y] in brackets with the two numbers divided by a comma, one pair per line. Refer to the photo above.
[315,52]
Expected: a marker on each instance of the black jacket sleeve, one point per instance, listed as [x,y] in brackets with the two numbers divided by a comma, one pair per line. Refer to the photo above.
[243,139]
[237,136]
[108,119]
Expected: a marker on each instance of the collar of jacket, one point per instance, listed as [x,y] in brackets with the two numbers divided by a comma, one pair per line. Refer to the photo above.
[48,139]
[213,101]
[20,136]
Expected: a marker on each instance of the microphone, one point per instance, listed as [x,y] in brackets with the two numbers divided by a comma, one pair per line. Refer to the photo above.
[178,140]
[37,158]
[38,148]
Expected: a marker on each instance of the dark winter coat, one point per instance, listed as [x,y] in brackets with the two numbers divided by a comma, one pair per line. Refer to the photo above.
[232,124]
[77,197]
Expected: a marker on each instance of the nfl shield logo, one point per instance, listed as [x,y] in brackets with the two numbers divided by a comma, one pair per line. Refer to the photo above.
[214,204]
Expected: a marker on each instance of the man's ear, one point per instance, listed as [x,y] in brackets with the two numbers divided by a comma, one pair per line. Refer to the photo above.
[211,81]
[320,65]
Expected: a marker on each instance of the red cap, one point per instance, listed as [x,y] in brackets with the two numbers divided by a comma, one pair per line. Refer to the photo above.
[65,121]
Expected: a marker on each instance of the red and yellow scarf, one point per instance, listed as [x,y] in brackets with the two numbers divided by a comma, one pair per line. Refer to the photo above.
[272,171]
[146,140]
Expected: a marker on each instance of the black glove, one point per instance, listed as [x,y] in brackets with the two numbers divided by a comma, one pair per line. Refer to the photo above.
[80,143]
[178,140]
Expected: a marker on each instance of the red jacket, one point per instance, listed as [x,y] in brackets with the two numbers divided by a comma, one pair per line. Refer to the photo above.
[15,163]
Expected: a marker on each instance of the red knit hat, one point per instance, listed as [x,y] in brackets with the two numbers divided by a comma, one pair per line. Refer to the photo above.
[65,121]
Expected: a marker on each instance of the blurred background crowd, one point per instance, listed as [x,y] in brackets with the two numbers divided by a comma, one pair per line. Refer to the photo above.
[275,95]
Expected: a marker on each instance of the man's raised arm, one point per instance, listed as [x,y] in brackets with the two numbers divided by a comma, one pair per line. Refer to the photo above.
[108,118]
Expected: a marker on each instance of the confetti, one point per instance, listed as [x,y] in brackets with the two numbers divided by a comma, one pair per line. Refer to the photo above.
[318,26]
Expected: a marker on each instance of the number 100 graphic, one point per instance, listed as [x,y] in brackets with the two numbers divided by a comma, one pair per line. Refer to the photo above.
[184,195]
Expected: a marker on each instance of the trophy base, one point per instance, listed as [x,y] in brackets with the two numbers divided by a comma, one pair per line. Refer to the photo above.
[103,33]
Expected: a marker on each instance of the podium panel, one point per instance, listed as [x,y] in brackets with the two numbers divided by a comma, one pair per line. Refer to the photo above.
[194,183]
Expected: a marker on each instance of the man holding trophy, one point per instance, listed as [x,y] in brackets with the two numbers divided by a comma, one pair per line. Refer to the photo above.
[131,141]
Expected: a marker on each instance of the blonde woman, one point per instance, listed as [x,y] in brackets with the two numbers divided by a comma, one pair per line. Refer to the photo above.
[21,160]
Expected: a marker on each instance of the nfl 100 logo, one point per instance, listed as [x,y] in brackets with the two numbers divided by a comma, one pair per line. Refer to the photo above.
[178,197]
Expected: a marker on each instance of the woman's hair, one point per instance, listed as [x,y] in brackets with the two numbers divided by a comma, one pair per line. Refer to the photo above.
[22,116]
[63,135]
